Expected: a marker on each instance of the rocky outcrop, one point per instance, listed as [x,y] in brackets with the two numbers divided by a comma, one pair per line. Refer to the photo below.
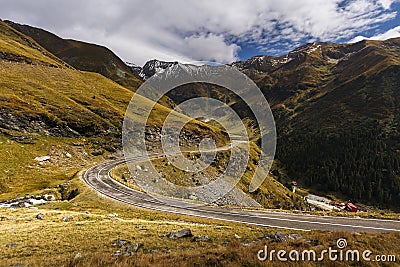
[182,233]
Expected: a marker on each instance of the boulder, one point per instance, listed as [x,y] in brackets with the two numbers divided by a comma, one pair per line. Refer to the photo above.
[40,216]
[295,236]
[43,158]
[49,197]
[120,242]
[67,218]
[77,256]
[126,248]
[11,245]
[130,250]
[19,205]
[277,237]
[182,233]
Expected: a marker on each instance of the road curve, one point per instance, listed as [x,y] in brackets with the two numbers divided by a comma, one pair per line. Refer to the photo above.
[98,177]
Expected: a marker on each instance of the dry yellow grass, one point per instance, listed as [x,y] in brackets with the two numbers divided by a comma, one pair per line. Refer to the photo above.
[14,43]
[53,242]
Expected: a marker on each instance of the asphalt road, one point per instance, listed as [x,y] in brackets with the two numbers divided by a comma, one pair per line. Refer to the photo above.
[99,179]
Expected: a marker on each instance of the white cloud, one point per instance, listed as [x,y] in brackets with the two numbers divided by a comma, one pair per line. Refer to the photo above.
[392,33]
[210,47]
[199,30]
[386,4]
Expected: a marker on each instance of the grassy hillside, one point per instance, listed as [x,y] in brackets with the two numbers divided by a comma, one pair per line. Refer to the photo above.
[48,108]
[271,194]
[83,56]
[91,232]
[337,113]
[56,110]
[17,47]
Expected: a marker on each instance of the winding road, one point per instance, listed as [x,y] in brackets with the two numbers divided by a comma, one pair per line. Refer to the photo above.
[98,177]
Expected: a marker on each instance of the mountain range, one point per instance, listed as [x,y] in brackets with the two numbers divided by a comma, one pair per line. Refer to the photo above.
[72,117]
[336,106]
[337,112]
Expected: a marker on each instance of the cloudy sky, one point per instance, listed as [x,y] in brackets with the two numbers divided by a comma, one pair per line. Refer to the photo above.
[213,30]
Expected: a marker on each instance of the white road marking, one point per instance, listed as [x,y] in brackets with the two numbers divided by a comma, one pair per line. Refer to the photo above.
[105,165]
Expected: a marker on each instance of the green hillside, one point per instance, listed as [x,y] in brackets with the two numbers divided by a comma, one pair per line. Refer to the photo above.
[337,112]
[17,47]
[48,108]
[83,56]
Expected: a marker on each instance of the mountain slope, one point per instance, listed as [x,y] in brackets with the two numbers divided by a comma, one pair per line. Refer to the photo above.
[337,111]
[83,56]
[42,97]
[75,118]
[16,47]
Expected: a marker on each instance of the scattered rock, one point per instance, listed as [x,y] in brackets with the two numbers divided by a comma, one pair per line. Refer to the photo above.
[117,253]
[23,139]
[49,197]
[295,236]
[22,202]
[130,250]
[77,256]
[19,205]
[126,248]
[120,242]
[40,216]
[43,158]
[204,238]
[11,245]
[277,237]
[182,233]
[67,218]
[77,144]
[192,197]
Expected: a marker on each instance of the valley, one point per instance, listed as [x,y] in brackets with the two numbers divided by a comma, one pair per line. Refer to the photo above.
[62,109]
